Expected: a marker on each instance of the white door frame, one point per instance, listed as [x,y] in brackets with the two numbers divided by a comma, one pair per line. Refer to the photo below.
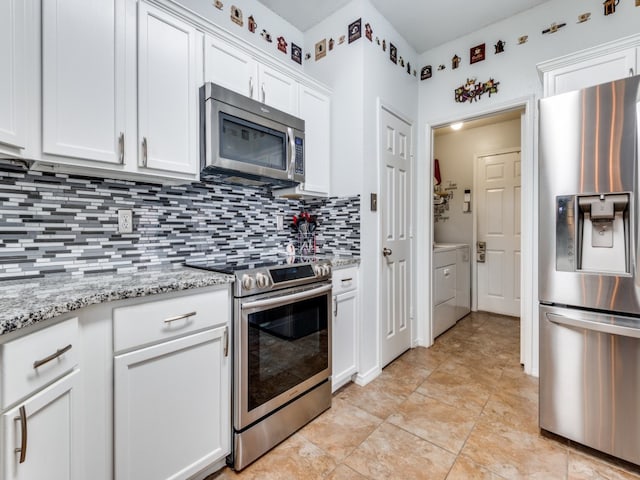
[382,105]
[474,219]
[424,231]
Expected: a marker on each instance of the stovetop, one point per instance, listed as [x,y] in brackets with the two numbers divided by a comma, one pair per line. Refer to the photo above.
[261,273]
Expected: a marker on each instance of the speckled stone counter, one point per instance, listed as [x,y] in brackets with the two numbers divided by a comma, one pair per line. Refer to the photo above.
[26,302]
[344,261]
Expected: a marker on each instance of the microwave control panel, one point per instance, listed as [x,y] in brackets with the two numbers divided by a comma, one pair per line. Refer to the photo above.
[299,155]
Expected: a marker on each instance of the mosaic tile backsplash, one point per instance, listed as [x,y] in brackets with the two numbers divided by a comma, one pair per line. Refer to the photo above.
[54,223]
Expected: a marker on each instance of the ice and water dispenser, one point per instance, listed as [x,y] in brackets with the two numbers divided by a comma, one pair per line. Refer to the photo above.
[592,233]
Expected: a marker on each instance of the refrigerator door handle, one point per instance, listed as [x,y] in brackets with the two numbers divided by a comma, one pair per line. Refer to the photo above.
[594,326]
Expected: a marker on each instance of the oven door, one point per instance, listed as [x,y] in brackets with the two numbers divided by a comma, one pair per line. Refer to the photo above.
[283,348]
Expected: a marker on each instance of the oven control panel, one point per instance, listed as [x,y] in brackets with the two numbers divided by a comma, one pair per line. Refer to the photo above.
[265,279]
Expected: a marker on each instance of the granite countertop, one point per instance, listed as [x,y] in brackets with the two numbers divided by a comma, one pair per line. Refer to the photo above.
[343,261]
[26,302]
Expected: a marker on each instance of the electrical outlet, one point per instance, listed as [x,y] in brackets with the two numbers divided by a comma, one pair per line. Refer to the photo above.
[125,221]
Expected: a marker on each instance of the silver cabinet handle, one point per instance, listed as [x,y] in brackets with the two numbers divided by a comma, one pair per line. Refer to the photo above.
[631,72]
[179,317]
[23,434]
[53,356]
[386,251]
[250,87]
[145,151]
[121,148]
[264,93]
[594,326]
[226,341]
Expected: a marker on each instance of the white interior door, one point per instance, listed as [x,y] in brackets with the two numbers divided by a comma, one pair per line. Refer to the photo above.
[395,205]
[498,185]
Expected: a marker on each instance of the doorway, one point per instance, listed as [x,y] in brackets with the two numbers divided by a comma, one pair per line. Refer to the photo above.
[476,149]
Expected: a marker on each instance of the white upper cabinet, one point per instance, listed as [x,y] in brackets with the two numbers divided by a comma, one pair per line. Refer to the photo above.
[230,67]
[169,56]
[13,79]
[315,110]
[278,90]
[587,68]
[235,69]
[83,79]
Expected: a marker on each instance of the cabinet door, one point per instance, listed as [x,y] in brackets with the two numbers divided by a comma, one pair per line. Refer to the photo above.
[278,90]
[168,82]
[83,79]
[49,434]
[230,67]
[13,80]
[587,73]
[171,407]
[344,338]
[315,110]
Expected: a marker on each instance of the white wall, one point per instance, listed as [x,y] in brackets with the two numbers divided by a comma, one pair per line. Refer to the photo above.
[360,75]
[265,18]
[520,83]
[456,152]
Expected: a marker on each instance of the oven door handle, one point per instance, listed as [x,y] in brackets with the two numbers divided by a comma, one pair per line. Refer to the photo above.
[279,301]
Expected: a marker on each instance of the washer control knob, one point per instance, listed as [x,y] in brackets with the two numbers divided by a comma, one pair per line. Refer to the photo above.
[262,280]
[248,282]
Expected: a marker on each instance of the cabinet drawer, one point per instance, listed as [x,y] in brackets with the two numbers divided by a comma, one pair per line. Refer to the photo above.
[30,362]
[447,257]
[444,317]
[344,280]
[163,319]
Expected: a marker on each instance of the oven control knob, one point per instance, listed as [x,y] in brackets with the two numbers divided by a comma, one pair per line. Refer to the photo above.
[248,282]
[317,269]
[262,280]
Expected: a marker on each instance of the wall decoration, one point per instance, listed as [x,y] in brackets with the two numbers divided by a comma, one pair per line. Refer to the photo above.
[331,42]
[296,53]
[499,47]
[415,74]
[251,24]
[218,4]
[266,35]
[610,6]
[307,56]
[341,40]
[355,30]
[282,44]
[441,67]
[236,15]
[368,32]
[378,38]
[455,62]
[321,49]
[408,68]
[637,3]
[425,72]
[523,39]
[401,61]
[473,91]
[584,17]
[553,28]
[384,45]
[393,53]
[476,54]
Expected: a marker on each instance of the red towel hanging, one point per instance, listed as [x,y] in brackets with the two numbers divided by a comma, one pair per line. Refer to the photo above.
[436,172]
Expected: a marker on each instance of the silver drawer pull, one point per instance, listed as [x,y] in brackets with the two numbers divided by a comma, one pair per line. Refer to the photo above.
[344,280]
[53,356]
[23,433]
[179,317]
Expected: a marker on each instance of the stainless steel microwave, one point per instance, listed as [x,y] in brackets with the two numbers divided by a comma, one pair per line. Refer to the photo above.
[248,142]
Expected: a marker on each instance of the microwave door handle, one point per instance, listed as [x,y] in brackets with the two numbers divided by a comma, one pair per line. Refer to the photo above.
[292,153]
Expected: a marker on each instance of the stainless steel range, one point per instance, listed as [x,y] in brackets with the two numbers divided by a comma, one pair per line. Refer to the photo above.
[282,348]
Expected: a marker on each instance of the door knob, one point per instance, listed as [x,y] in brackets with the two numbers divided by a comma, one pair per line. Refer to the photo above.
[386,251]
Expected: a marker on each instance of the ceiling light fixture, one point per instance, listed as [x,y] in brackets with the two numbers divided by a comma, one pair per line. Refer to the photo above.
[456,126]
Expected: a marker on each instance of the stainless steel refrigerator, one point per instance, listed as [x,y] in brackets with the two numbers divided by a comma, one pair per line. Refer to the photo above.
[589,283]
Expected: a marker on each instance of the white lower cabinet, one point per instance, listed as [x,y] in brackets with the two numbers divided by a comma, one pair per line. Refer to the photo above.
[40,434]
[172,399]
[345,329]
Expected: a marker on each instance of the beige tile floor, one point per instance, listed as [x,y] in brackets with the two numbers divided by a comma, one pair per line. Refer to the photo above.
[460,410]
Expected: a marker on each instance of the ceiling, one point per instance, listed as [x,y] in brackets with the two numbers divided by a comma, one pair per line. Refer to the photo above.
[423,23]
